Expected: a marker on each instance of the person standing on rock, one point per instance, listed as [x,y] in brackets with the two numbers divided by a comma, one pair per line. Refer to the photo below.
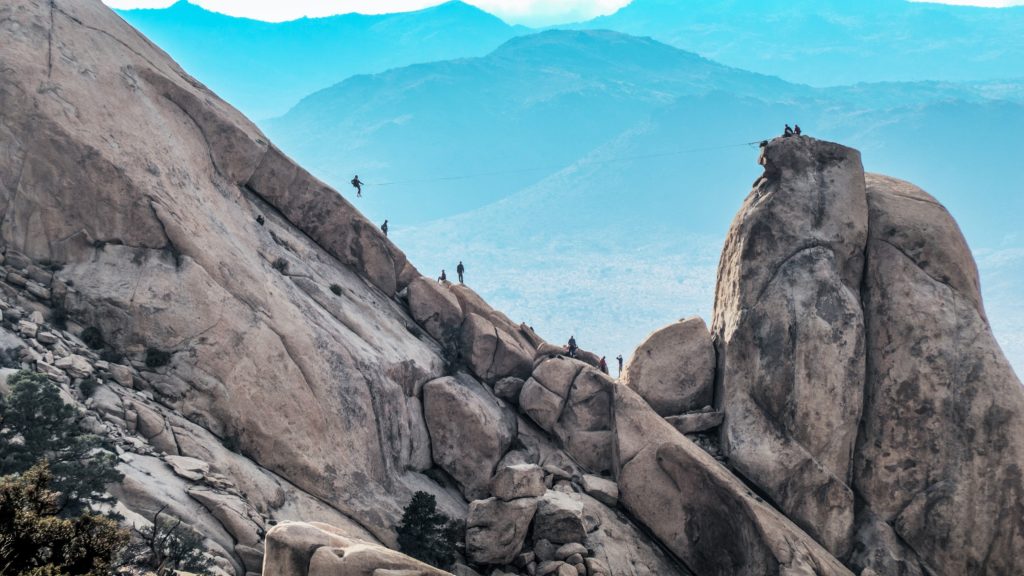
[619,358]
[572,346]
[358,185]
[384,228]
[442,278]
[460,270]
[603,365]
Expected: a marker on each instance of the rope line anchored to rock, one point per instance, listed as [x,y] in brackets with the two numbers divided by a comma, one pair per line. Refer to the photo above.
[510,171]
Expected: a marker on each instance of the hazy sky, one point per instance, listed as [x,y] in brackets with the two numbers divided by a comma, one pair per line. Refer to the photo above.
[531,12]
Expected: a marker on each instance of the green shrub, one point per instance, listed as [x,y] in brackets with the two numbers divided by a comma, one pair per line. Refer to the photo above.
[281,265]
[93,338]
[426,534]
[156,358]
[336,289]
[35,425]
[33,540]
[9,358]
[88,387]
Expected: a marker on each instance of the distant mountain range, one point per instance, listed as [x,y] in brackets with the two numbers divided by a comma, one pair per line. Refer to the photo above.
[830,42]
[264,68]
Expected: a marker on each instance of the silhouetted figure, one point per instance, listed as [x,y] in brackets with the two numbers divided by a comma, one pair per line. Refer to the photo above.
[358,184]
[619,358]
[572,347]
[460,270]
[796,129]
[603,365]
[443,277]
[260,220]
[384,228]
[787,132]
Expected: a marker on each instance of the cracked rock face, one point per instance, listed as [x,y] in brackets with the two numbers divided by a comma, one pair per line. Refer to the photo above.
[145,187]
[790,333]
[942,443]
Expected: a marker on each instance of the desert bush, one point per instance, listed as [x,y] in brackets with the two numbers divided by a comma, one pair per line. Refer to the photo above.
[93,338]
[155,358]
[169,545]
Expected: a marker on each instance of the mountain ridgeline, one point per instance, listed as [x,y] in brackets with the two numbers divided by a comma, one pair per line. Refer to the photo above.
[831,42]
[272,371]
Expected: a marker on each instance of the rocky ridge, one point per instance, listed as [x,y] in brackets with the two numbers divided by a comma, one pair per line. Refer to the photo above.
[285,383]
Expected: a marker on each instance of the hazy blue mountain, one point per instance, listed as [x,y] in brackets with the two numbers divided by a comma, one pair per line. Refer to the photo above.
[264,68]
[538,101]
[826,42]
[642,159]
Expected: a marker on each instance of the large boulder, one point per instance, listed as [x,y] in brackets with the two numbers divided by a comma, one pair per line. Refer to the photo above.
[790,333]
[702,513]
[490,352]
[496,529]
[559,518]
[518,481]
[470,431]
[315,549]
[941,448]
[434,307]
[674,368]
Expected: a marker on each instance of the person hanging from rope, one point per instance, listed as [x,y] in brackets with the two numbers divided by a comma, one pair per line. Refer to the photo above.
[358,185]
[460,270]
[796,129]
[619,358]
[442,278]
[571,347]
[384,228]
[603,365]
[787,132]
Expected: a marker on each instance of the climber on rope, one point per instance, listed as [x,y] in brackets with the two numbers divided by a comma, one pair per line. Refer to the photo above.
[384,228]
[603,365]
[571,347]
[358,185]
[787,132]
[460,270]
[442,278]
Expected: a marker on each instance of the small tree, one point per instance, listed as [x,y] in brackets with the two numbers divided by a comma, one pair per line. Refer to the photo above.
[33,540]
[170,545]
[35,425]
[426,534]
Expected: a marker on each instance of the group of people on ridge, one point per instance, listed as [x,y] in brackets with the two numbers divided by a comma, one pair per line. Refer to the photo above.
[460,270]
[571,349]
[794,131]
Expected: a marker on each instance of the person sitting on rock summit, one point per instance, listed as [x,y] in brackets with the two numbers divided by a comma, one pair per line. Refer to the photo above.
[571,347]
[460,270]
[787,132]
[358,185]
[796,129]
[603,365]
[443,277]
